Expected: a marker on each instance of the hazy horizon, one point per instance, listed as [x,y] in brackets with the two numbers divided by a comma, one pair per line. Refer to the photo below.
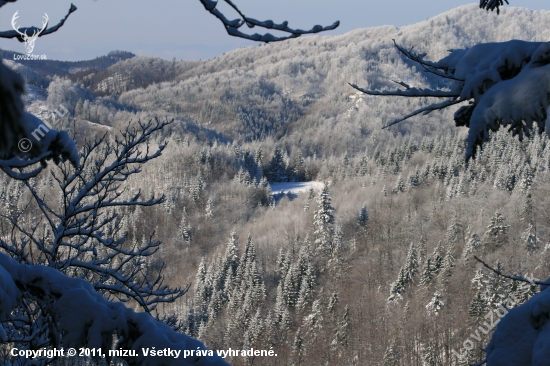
[184,30]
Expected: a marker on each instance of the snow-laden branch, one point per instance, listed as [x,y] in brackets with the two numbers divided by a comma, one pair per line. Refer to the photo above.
[87,224]
[233,26]
[409,92]
[81,317]
[521,336]
[30,30]
[530,281]
[428,66]
[424,111]
[25,140]
[506,84]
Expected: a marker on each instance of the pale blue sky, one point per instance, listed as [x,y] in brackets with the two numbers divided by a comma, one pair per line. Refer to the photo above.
[183,29]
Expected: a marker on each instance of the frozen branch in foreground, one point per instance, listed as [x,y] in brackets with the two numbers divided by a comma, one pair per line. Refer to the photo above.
[86,319]
[30,30]
[505,84]
[233,26]
[530,281]
[18,126]
[522,335]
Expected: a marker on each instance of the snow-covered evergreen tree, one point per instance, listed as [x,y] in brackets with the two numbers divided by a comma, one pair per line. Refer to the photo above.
[342,330]
[391,354]
[323,220]
[406,275]
[363,217]
[184,230]
[497,231]
[277,168]
[436,303]
[472,244]
[529,238]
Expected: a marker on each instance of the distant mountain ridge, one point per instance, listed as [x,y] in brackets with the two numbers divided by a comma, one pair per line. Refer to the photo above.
[65,68]
[297,90]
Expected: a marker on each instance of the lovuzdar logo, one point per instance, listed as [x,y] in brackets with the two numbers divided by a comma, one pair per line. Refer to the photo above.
[29,40]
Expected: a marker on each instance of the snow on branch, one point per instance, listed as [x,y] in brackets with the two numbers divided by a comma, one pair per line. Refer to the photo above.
[17,150]
[87,222]
[521,336]
[506,84]
[81,317]
[19,146]
[233,26]
[30,30]
[530,281]
[426,110]
[81,231]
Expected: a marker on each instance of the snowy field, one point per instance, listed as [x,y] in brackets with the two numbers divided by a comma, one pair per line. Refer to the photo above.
[295,187]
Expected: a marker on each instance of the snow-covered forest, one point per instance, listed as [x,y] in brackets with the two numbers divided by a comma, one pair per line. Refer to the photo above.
[373,267]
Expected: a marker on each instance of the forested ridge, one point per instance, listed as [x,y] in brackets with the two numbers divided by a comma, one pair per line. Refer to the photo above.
[376,268]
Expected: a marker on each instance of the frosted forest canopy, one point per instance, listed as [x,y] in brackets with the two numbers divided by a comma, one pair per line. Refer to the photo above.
[487,84]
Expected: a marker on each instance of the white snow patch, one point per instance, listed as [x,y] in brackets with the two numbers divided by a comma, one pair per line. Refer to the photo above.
[295,187]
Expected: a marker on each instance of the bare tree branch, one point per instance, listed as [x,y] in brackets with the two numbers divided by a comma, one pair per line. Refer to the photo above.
[232,26]
[427,65]
[513,278]
[426,110]
[4,2]
[15,34]
[409,92]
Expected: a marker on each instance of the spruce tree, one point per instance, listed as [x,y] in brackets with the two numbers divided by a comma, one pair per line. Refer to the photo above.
[436,303]
[497,231]
[406,275]
[448,262]
[529,238]
[427,274]
[184,230]
[471,245]
[399,185]
[280,304]
[496,287]
[527,211]
[333,303]
[253,331]
[478,305]
[298,346]
[277,170]
[200,289]
[453,231]
[313,323]
[428,354]
[411,264]
[391,355]
[342,330]
[363,217]
[323,221]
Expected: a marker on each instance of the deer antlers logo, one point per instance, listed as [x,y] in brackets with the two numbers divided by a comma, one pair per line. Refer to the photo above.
[29,40]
